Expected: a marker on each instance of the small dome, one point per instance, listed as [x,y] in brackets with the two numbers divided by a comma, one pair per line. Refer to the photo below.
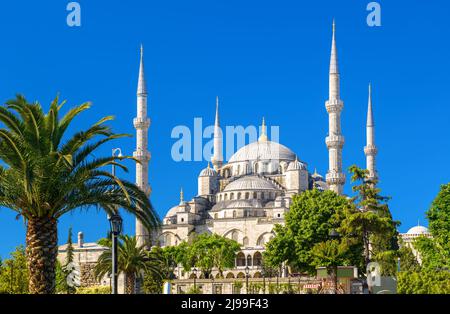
[418,230]
[172,212]
[296,165]
[208,172]
[250,183]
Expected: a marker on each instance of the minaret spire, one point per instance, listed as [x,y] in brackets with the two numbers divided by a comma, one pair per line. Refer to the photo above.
[370,149]
[141,124]
[217,159]
[263,136]
[335,141]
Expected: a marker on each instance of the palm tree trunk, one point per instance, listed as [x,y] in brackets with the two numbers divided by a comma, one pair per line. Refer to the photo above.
[42,250]
[130,280]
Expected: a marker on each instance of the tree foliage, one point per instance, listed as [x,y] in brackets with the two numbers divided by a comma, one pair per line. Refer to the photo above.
[46,173]
[439,218]
[312,216]
[208,251]
[14,273]
[132,260]
[433,275]
[371,221]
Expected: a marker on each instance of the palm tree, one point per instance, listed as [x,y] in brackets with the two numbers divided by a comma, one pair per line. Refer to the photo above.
[132,261]
[45,173]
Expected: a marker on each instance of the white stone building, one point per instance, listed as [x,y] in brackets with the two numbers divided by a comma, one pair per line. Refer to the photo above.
[244,198]
[412,234]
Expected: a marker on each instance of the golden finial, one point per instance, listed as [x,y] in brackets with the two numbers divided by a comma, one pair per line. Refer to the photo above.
[263,137]
[181,196]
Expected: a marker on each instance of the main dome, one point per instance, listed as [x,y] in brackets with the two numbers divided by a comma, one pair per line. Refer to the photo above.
[263,150]
[250,183]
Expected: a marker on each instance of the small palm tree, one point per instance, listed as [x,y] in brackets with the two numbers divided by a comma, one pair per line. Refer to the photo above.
[45,174]
[132,261]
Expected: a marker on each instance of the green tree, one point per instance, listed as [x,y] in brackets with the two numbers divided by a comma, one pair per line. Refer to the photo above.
[331,254]
[371,221]
[132,260]
[165,260]
[46,173]
[207,252]
[63,271]
[433,275]
[439,218]
[14,273]
[312,216]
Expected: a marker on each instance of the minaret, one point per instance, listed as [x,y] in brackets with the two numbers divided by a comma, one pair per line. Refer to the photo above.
[217,159]
[141,124]
[370,149]
[335,141]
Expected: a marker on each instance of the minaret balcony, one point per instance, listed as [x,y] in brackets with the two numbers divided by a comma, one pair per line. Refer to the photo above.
[335,178]
[334,105]
[335,141]
[370,150]
[142,156]
[141,123]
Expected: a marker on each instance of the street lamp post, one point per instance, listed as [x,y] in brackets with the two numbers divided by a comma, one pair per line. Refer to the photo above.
[278,283]
[334,235]
[116,229]
[247,271]
[195,278]
[263,273]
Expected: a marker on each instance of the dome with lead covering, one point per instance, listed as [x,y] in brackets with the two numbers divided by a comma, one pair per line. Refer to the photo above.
[250,183]
[418,230]
[263,150]
[208,172]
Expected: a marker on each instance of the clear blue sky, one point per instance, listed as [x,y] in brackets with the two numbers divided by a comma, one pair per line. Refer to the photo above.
[263,58]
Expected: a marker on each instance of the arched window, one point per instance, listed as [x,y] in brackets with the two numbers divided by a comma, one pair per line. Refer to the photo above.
[216,216]
[239,196]
[257,259]
[247,195]
[230,275]
[226,197]
[245,241]
[240,259]
[232,196]
[234,214]
[249,260]
[255,195]
[234,235]
[238,172]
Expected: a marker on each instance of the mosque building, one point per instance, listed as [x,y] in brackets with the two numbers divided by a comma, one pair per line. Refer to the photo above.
[244,198]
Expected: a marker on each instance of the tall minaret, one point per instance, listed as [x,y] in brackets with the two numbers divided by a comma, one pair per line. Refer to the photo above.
[335,141]
[370,149]
[141,124]
[217,158]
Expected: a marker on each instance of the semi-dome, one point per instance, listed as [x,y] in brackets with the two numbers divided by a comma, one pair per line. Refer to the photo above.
[296,165]
[241,204]
[418,230]
[262,150]
[208,172]
[250,183]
